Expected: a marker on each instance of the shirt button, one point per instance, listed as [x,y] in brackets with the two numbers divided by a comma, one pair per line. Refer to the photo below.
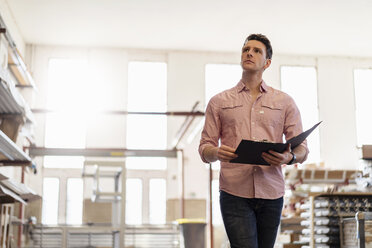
[252,123]
[255,169]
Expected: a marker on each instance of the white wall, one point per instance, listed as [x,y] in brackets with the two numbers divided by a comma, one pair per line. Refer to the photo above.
[12,27]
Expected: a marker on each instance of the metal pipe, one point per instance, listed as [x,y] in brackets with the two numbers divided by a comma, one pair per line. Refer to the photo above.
[21,209]
[181,185]
[15,163]
[184,127]
[120,112]
[20,228]
[122,207]
[210,212]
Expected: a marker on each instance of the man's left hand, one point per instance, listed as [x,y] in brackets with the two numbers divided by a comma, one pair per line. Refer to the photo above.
[276,158]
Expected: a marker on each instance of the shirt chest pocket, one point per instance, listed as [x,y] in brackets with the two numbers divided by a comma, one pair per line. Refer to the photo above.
[271,114]
[231,114]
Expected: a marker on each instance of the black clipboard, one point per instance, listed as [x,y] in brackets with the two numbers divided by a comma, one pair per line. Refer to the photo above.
[249,152]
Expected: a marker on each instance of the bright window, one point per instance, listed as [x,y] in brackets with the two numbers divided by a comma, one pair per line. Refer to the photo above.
[220,77]
[74,201]
[146,163]
[147,92]
[147,86]
[68,81]
[363,102]
[146,132]
[133,207]
[65,131]
[50,201]
[157,201]
[75,162]
[300,83]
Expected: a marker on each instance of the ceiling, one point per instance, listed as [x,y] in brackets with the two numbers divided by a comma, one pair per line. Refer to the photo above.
[305,27]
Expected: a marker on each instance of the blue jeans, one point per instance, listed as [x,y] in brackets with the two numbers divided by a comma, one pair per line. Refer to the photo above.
[250,222]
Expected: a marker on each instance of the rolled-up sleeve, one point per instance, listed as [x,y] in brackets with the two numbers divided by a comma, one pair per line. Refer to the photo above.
[293,123]
[212,129]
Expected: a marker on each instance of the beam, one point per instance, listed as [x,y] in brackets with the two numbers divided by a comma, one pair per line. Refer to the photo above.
[119,112]
[100,152]
[15,163]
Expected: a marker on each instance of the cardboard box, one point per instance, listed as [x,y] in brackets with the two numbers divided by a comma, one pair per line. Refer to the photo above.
[367,151]
[11,126]
[292,245]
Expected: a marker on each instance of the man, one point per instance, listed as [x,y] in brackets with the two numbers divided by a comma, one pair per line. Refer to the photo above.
[251,196]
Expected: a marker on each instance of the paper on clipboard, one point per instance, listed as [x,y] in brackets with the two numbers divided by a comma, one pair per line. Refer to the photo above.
[249,152]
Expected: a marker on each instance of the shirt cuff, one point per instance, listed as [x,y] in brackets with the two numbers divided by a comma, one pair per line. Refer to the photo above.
[201,150]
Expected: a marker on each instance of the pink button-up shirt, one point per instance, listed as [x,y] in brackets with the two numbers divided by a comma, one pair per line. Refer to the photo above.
[231,116]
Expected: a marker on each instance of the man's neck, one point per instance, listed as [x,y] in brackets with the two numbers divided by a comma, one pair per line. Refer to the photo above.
[252,81]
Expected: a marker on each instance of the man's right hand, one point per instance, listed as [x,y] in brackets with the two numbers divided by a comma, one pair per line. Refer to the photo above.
[226,153]
[222,153]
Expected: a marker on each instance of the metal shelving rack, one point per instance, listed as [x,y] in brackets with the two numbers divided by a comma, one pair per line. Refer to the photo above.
[15,116]
[316,232]
[336,206]
[12,107]
[14,111]
[114,170]
[12,153]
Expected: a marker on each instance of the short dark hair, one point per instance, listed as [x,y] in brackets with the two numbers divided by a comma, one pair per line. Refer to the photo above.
[262,38]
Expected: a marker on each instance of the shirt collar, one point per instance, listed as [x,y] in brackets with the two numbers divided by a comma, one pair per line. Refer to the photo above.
[263,87]
[241,86]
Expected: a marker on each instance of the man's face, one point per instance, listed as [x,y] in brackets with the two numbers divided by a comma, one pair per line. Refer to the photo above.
[254,56]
